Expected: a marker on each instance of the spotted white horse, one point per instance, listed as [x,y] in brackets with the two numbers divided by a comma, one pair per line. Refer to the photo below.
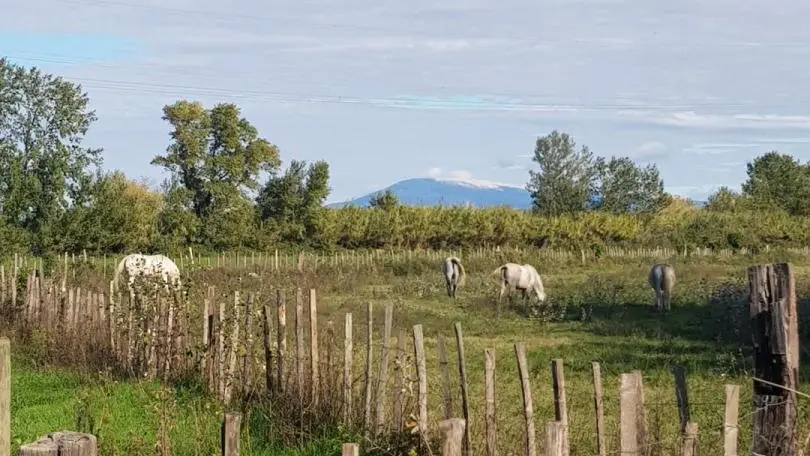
[147,266]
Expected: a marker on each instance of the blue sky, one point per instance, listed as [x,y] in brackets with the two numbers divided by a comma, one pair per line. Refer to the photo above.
[386,91]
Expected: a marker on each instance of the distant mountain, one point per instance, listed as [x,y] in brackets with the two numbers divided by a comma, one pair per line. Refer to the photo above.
[430,192]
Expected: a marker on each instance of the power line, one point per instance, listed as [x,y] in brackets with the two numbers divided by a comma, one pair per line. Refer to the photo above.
[541,102]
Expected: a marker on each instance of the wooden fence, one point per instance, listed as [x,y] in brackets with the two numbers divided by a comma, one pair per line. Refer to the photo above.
[239,346]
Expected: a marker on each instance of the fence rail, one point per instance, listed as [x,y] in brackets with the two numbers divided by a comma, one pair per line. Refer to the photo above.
[155,335]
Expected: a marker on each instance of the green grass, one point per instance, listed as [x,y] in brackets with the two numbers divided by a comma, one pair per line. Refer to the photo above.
[602,311]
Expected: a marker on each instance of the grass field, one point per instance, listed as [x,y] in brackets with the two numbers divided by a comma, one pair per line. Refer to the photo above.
[601,311]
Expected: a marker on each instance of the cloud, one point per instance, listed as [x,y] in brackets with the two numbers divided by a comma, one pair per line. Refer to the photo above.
[650,150]
[718,148]
[691,119]
[509,164]
[465,177]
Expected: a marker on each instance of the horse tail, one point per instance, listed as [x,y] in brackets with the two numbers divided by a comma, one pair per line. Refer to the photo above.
[667,278]
[462,274]
[498,271]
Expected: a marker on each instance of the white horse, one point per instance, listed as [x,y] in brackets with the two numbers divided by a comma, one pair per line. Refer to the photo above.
[137,264]
[454,275]
[522,277]
[662,280]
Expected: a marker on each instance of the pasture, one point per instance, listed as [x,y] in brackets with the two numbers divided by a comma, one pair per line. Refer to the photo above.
[597,309]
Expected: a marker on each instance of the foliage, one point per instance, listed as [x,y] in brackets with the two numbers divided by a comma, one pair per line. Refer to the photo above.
[386,200]
[566,177]
[43,164]
[779,180]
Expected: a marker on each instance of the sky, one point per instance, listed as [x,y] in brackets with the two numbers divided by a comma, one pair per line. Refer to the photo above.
[386,91]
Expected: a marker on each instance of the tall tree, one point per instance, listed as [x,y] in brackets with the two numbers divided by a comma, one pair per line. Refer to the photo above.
[215,153]
[44,166]
[217,156]
[623,186]
[294,200]
[779,180]
[566,178]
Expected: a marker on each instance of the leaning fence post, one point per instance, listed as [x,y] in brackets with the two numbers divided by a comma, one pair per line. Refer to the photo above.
[772,306]
[530,448]
[462,373]
[560,406]
[421,371]
[490,426]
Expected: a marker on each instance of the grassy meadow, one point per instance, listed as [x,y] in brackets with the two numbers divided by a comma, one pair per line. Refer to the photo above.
[601,310]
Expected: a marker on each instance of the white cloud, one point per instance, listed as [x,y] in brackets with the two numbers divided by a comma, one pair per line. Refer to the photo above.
[650,150]
[691,119]
[465,177]
[718,148]
[695,192]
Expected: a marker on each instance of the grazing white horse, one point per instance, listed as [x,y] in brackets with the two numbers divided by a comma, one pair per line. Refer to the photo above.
[150,266]
[522,277]
[662,280]
[454,274]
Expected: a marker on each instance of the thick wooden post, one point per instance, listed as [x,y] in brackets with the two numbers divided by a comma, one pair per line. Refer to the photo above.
[230,434]
[530,448]
[59,443]
[350,449]
[774,328]
[453,430]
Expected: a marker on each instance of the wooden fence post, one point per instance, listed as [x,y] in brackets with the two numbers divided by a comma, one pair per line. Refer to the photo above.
[555,438]
[465,401]
[382,381]
[281,336]
[560,406]
[367,373]
[350,449]
[56,443]
[772,306]
[453,430]
[299,349]
[690,440]
[632,433]
[348,357]
[490,424]
[530,448]
[730,420]
[314,351]
[445,374]
[5,396]
[421,371]
[230,434]
[598,405]
[681,396]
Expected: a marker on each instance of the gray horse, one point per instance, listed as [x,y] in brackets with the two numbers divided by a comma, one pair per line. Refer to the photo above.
[522,277]
[662,280]
[453,273]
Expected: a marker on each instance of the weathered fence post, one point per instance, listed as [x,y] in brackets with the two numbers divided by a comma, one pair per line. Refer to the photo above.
[730,420]
[443,369]
[382,381]
[631,418]
[350,449]
[348,357]
[690,439]
[555,438]
[421,371]
[490,424]
[281,317]
[230,434]
[367,390]
[314,351]
[58,443]
[530,448]
[681,396]
[599,409]
[560,406]
[5,396]
[774,327]
[462,374]
[453,430]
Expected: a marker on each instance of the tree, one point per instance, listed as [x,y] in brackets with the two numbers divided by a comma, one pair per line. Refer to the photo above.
[44,167]
[779,180]
[725,200]
[122,215]
[386,200]
[217,156]
[622,186]
[294,200]
[566,178]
